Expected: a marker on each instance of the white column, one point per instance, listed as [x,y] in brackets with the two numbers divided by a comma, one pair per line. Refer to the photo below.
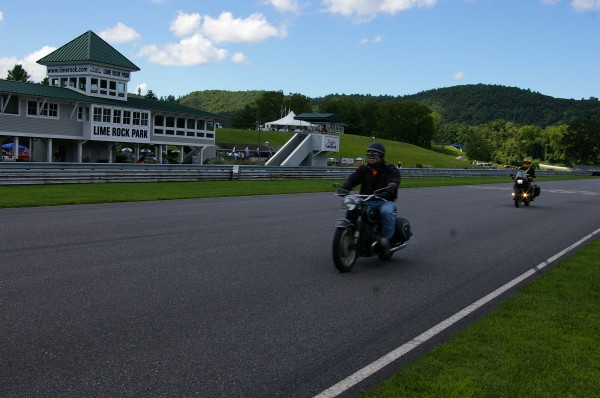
[49,150]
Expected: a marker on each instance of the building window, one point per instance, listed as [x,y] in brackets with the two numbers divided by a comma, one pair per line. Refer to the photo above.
[46,109]
[82,83]
[97,114]
[106,115]
[103,87]
[82,113]
[32,108]
[144,120]
[9,104]
[116,116]
[136,118]
[159,120]
[94,86]
[126,117]
[210,125]
[199,124]
[121,89]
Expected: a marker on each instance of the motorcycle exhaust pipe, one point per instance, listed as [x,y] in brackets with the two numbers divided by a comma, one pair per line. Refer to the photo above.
[398,247]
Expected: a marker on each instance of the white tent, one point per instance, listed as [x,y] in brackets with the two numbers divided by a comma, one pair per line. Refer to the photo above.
[289,123]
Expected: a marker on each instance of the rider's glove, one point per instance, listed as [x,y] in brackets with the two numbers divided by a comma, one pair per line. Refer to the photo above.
[388,194]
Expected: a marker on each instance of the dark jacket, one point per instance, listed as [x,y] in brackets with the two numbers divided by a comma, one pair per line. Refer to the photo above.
[374,178]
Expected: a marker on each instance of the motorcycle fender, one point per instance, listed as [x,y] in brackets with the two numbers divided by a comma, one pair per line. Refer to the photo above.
[343,223]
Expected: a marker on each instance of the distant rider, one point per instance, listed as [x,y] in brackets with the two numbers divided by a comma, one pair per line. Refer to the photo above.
[374,175]
[530,171]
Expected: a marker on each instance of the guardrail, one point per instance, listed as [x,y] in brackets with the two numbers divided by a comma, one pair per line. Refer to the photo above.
[26,173]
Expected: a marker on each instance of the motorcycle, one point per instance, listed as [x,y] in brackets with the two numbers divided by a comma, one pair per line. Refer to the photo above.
[522,189]
[356,234]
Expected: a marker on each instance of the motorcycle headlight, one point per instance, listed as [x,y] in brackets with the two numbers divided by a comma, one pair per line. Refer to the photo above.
[519,181]
[349,202]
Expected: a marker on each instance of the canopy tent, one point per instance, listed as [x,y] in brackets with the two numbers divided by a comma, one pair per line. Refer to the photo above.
[326,122]
[288,122]
[10,147]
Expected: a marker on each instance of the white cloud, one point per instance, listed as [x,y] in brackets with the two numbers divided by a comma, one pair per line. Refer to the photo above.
[240,58]
[365,10]
[376,39]
[141,89]
[284,5]
[119,33]
[585,5]
[1,16]
[29,63]
[199,36]
[193,50]
[186,24]
[458,75]
[227,29]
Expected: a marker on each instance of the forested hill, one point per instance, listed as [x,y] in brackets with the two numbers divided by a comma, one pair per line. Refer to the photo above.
[467,104]
[221,102]
[480,104]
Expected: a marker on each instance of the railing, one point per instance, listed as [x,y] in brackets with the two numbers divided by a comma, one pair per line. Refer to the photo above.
[15,173]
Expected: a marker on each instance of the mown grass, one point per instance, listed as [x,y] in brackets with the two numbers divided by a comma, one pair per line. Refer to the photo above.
[542,342]
[73,194]
[353,146]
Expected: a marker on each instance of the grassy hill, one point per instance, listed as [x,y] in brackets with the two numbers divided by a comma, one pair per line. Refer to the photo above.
[351,146]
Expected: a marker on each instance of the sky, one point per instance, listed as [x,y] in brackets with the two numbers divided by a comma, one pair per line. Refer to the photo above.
[321,47]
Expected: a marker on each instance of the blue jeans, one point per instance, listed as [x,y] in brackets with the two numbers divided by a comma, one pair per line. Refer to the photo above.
[387,210]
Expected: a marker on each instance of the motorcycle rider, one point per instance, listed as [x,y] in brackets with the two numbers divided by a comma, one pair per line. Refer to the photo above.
[528,168]
[374,175]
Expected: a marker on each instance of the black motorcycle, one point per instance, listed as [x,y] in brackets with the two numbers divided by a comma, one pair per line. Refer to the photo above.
[357,234]
[522,192]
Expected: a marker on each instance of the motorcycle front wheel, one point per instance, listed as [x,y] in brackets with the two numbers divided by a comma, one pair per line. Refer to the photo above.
[517,202]
[344,249]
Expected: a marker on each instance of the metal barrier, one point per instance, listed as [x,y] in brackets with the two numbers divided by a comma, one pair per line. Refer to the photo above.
[15,173]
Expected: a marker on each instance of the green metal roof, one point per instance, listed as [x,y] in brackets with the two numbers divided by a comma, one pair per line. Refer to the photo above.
[88,48]
[67,94]
[319,117]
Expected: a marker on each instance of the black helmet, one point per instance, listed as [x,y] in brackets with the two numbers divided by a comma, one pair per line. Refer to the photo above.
[377,147]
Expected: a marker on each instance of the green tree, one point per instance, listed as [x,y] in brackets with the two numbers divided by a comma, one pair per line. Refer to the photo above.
[477,146]
[551,139]
[298,103]
[245,119]
[582,142]
[408,121]
[150,95]
[348,110]
[18,74]
[268,106]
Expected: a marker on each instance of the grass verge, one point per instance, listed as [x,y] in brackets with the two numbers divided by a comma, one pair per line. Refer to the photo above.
[542,342]
[73,194]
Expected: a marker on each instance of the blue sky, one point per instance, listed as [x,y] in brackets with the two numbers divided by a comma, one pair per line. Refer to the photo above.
[320,47]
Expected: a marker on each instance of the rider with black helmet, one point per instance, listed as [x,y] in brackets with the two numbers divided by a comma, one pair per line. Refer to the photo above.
[373,175]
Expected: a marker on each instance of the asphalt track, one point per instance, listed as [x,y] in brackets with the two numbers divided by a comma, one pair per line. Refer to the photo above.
[238,297]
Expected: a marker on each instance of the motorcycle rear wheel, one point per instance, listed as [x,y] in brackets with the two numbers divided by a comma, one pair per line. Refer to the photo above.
[344,250]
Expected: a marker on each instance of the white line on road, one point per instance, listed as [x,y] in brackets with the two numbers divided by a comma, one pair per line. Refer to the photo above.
[379,364]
